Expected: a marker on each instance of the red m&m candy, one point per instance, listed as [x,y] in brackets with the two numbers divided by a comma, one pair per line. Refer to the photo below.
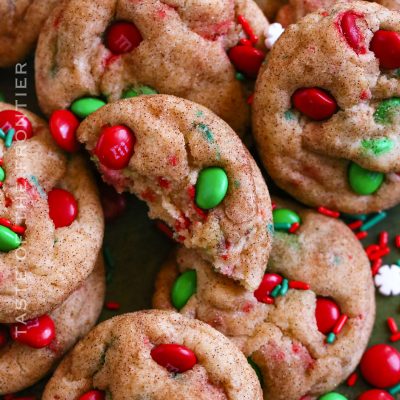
[267,285]
[115,146]
[246,59]
[63,125]
[380,366]
[11,119]
[63,207]
[36,333]
[352,32]
[315,103]
[174,357]
[93,395]
[375,394]
[386,46]
[327,313]
[122,37]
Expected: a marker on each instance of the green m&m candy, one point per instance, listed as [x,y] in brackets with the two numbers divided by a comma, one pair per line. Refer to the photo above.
[386,110]
[2,175]
[86,105]
[184,288]
[9,240]
[211,187]
[332,396]
[285,216]
[363,181]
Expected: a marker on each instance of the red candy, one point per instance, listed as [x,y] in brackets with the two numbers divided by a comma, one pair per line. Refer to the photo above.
[63,125]
[63,207]
[246,59]
[352,32]
[36,333]
[17,121]
[375,394]
[174,357]
[123,37]
[380,366]
[93,395]
[315,103]
[113,203]
[386,46]
[267,285]
[3,336]
[115,146]
[327,313]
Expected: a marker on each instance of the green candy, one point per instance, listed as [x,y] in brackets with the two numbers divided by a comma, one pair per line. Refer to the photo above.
[285,216]
[138,91]
[257,370]
[364,182]
[9,240]
[86,106]
[184,288]
[211,187]
[2,175]
[332,396]
[386,110]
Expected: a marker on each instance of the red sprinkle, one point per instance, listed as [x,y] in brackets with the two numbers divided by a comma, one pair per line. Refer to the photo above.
[164,228]
[361,235]
[379,253]
[5,222]
[397,241]
[376,266]
[112,305]
[247,29]
[372,248]
[383,239]
[20,230]
[395,337]
[352,379]
[273,206]
[340,324]
[294,228]
[250,99]
[328,212]
[299,285]
[245,42]
[164,183]
[392,325]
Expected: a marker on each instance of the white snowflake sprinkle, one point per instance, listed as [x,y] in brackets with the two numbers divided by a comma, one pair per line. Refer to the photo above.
[388,280]
[272,34]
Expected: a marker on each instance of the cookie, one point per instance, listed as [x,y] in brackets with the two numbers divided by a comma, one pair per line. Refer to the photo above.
[22,365]
[316,280]
[270,7]
[155,355]
[20,24]
[128,48]
[194,173]
[327,132]
[51,222]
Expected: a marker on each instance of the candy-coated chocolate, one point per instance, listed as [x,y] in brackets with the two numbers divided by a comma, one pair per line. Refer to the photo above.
[63,208]
[114,204]
[184,288]
[386,46]
[36,333]
[314,102]
[85,106]
[11,119]
[285,216]
[352,32]
[246,59]
[63,125]
[142,90]
[332,396]
[327,313]
[267,285]
[122,37]
[375,394]
[380,366]
[386,110]
[211,187]
[93,395]
[174,357]
[364,182]
[9,240]
[2,175]
[115,146]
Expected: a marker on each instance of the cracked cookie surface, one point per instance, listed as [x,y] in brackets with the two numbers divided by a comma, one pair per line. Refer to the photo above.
[48,262]
[172,142]
[283,338]
[116,357]
[327,132]
[181,50]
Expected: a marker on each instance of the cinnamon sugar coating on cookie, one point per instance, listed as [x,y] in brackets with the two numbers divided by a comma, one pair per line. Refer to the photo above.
[175,141]
[116,358]
[283,338]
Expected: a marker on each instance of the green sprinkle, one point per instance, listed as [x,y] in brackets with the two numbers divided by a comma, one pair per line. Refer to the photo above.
[377,146]
[141,90]
[199,113]
[2,134]
[236,184]
[270,228]
[206,131]
[362,217]
[285,287]
[282,226]
[2,175]
[9,138]
[373,221]
[85,106]
[387,110]
[289,115]
[184,288]
[36,183]
[397,72]
[395,389]
[257,370]
[398,262]
[239,76]
[330,338]
[276,291]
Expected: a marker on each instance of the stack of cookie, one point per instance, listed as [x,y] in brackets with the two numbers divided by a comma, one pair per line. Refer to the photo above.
[159,94]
